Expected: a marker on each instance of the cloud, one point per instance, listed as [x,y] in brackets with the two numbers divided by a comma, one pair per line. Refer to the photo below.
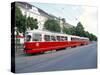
[89,19]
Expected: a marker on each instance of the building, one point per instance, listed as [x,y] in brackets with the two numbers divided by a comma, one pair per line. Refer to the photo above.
[40,15]
[65,24]
[35,12]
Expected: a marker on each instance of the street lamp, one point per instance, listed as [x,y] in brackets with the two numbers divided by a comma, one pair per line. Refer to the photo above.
[15,31]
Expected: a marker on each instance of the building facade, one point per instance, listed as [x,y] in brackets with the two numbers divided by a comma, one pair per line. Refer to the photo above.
[35,12]
[40,15]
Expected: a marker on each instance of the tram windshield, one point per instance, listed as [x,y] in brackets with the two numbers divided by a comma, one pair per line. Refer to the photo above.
[28,37]
[36,37]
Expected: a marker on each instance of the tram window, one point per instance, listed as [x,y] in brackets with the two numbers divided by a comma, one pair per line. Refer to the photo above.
[77,39]
[74,38]
[47,38]
[65,38]
[83,39]
[62,38]
[37,37]
[58,38]
[53,38]
[28,38]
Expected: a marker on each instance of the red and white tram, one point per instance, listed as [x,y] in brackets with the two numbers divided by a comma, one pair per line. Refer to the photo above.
[37,41]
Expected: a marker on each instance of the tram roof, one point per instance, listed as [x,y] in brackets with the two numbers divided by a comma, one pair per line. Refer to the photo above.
[46,32]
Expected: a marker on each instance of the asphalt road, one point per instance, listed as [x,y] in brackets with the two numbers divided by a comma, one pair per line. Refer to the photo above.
[82,57]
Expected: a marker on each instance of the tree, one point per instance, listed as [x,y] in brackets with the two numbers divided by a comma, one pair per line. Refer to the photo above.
[73,31]
[52,25]
[79,29]
[20,20]
[86,34]
[66,30]
[92,37]
[23,22]
[32,23]
[70,31]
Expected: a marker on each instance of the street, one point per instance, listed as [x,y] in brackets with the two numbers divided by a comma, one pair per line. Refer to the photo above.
[82,57]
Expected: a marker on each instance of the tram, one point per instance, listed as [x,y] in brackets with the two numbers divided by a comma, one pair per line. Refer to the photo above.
[38,41]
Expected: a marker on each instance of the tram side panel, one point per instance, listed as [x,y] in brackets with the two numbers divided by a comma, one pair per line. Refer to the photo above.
[38,47]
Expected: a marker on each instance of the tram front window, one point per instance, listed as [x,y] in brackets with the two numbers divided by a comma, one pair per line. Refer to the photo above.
[28,38]
[36,37]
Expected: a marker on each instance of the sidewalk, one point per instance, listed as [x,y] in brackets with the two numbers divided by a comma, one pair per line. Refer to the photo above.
[19,49]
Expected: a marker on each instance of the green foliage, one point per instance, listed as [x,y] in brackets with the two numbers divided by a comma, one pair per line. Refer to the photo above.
[70,31]
[22,22]
[73,31]
[32,23]
[90,36]
[79,31]
[52,25]
[66,30]
[93,37]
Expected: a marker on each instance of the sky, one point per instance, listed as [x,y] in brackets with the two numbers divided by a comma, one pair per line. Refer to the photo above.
[87,15]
